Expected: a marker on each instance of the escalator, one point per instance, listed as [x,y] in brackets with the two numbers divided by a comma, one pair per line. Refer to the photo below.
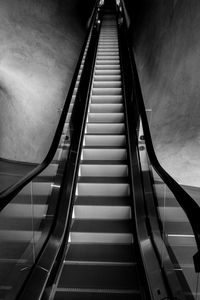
[103,220]
[100,260]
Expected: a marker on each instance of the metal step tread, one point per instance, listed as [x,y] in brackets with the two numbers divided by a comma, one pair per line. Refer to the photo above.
[107,72]
[85,212]
[106,108]
[105,128]
[96,294]
[103,147]
[102,162]
[103,133]
[107,62]
[106,91]
[108,67]
[102,189]
[100,253]
[107,84]
[108,180]
[106,170]
[104,154]
[99,277]
[108,57]
[106,105]
[102,201]
[101,226]
[105,277]
[109,78]
[106,118]
[107,98]
[104,140]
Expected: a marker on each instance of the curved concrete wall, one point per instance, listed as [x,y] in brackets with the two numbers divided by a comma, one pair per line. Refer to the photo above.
[40,45]
[167,47]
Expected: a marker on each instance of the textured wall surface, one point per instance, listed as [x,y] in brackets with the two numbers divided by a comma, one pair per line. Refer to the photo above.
[40,45]
[167,46]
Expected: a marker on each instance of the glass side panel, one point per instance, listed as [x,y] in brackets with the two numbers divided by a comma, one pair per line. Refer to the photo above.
[176,230]
[26,221]
[178,235]
[11,172]
[17,238]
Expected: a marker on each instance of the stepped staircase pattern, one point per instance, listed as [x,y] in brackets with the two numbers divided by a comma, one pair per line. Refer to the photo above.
[100,260]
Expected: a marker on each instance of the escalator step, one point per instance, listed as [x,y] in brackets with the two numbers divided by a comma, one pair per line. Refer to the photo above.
[96,212]
[99,237]
[101,226]
[103,189]
[106,99]
[107,77]
[103,179]
[105,128]
[120,277]
[109,201]
[100,253]
[107,57]
[104,155]
[101,162]
[105,140]
[107,62]
[106,108]
[103,170]
[82,295]
[107,84]
[107,91]
[106,118]
[108,67]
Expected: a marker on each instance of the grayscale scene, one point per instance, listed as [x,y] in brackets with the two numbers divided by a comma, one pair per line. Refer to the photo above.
[99,150]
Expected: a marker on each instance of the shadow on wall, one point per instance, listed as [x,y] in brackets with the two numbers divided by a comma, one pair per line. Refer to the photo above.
[40,45]
[167,47]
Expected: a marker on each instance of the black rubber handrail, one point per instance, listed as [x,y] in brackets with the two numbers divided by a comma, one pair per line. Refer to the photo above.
[8,194]
[188,204]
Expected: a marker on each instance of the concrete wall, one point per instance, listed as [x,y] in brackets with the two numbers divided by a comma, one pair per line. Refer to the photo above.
[39,48]
[167,47]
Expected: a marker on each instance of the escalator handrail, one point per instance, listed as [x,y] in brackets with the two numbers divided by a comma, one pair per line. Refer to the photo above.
[8,194]
[188,204]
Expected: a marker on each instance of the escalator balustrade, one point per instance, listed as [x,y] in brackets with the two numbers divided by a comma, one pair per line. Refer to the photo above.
[100,260]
